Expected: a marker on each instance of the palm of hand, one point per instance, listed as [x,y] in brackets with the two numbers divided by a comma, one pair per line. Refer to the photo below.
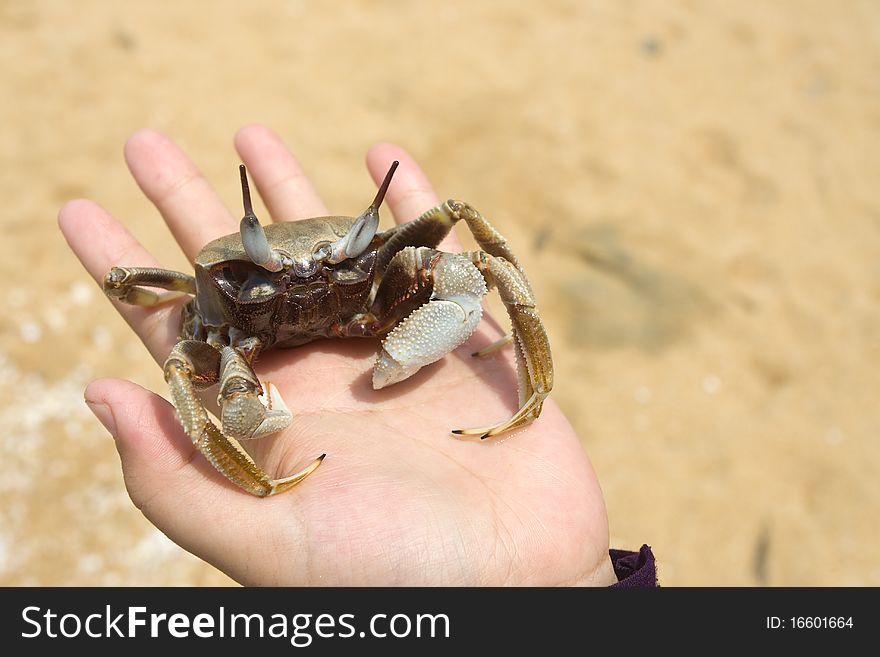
[399,499]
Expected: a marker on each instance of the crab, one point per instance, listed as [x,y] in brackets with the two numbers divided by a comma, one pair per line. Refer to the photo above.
[287,284]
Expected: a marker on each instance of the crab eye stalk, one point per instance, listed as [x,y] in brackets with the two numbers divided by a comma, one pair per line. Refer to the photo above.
[380,195]
[364,228]
[253,237]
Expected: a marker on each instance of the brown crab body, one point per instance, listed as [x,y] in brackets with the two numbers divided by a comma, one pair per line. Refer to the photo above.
[280,308]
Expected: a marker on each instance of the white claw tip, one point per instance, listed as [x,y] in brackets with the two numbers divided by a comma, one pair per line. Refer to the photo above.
[388,371]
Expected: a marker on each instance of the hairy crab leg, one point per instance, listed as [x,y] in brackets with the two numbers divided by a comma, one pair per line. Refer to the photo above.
[501,342]
[182,371]
[127,284]
[533,358]
[236,466]
[432,226]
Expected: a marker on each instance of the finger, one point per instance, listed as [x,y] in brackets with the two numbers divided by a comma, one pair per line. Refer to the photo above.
[283,185]
[188,203]
[166,477]
[410,193]
[80,221]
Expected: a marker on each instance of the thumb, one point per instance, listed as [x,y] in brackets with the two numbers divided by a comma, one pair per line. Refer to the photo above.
[142,424]
[166,477]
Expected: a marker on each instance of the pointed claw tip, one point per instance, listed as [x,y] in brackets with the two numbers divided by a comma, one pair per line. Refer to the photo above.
[458,432]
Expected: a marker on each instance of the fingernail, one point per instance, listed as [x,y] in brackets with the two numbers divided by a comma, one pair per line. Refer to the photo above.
[104,414]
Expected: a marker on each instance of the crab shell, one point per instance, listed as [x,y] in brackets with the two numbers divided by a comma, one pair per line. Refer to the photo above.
[283,308]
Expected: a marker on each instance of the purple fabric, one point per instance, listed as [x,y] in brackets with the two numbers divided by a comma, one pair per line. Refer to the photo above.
[634,569]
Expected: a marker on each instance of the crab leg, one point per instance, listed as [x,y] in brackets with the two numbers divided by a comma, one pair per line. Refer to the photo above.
[433,225]
[503,341]
[184,373]
[533,359]
[125,284]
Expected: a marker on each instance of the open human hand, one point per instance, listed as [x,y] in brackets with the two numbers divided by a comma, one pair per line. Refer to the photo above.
[399,500]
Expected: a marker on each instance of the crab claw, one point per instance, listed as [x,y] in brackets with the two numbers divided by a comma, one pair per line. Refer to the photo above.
[253,237]
[360,235]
